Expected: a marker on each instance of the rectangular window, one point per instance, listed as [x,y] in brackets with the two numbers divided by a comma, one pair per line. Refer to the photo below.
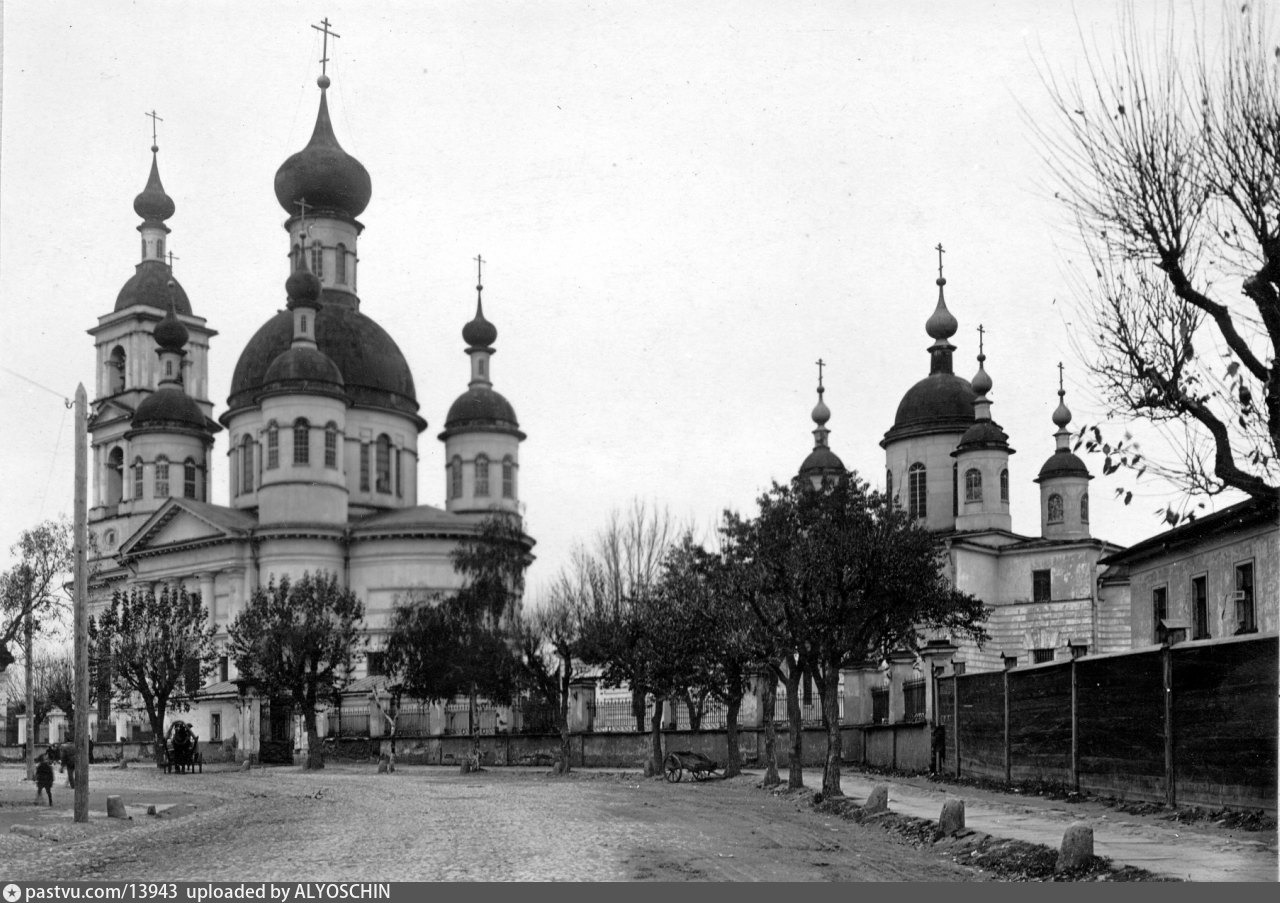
[1010,661]
[215,727]
[246,466]
[364,467]
[222,669]
[137,480]
[162,479]
[1246,618]
[1040,584]
[508,480]
[1159,609]
[1041,655]
[273,448]
[399,468]
[1200,607]
[375,664]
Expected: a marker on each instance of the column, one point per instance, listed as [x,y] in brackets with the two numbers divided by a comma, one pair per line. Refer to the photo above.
[937,655]
[582,700]
[858,682]
[900,671]
[207,596]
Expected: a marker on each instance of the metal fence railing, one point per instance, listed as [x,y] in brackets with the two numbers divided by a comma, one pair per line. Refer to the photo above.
[457,717]
[913,700]
[617,715]
[880,705]
[413,720]
[348,721]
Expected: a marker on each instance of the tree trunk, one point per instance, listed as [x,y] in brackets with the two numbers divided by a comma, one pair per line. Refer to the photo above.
[835,741]
[562,721]
[637,709]
[315,757]
[655,735]
[733,758]
[795,774]
[156,719]
[769,704]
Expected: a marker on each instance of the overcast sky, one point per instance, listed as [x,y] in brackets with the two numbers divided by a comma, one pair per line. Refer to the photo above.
[683,206]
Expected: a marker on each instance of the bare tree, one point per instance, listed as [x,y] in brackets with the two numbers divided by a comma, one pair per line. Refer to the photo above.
[1170,165]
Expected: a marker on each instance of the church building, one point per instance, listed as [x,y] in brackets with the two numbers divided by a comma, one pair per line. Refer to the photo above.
[322,426]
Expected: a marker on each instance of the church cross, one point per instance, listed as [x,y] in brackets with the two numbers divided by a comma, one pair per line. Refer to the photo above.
[1060,389]
[479,272]
[940,253]
[154,120]
[821,363]
[172,258]
[325,53]
[981,330]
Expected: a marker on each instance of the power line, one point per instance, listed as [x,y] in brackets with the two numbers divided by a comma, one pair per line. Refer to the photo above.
[67,401]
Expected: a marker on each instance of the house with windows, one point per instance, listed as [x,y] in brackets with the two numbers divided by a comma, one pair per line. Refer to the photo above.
[322,423]
[1217,576]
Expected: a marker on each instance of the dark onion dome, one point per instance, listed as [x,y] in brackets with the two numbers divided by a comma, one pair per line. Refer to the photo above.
[479,333]
[939,403]
[303,288]
[323,174]
[373,369]
[149,286]
[1063,463]
[153,204]
[481,409]
[168,408]
[822,461]
[983,434]
[170,334]
[303,368]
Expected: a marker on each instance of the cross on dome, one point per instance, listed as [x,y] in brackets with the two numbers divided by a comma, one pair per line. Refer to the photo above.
[324,56]
[154,119]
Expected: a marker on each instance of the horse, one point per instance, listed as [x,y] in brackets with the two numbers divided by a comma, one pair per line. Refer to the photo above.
[183,747]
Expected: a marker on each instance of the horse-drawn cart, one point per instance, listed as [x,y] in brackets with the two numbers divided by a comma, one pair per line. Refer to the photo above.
[181,749]
[698,765]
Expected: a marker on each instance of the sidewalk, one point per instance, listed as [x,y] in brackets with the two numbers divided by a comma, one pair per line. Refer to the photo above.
[1163,847]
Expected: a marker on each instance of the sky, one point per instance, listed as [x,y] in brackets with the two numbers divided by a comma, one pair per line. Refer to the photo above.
[682,207]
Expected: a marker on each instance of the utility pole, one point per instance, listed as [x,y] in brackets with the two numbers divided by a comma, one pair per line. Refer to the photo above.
[28,636]
[81,606]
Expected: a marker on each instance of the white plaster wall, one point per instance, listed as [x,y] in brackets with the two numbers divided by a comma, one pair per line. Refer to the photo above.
[935,453]
[364,425]
[990,512]
[497,446]
[1071,489]
[303,493]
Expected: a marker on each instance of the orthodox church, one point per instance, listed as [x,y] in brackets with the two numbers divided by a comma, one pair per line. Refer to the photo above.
[322,424]
[947,462]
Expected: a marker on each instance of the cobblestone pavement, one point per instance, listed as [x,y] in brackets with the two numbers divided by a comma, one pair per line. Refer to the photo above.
[348,823]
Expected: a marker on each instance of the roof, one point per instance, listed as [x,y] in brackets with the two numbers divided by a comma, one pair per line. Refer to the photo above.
[1249,513]
[323,174]
[481,407]
[1063,463]
[941,402]
[149,285]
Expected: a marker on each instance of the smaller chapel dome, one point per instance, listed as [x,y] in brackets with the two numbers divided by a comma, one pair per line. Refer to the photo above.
[983,434]
[153,204]
[149,286]
[941,324]
[822,461]
[323,174]
[170,333]
[169,407]
[304,368]
[479,332]
[1063,463]
[482,407]
[303,288]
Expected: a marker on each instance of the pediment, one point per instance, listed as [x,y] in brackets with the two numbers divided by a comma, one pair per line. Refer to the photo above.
[181,522]
[111,410]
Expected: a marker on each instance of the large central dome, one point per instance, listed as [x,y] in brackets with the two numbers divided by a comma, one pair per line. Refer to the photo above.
[373,369]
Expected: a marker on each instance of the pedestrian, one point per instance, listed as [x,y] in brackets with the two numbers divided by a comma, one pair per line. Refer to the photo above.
[44,779]
[68,753]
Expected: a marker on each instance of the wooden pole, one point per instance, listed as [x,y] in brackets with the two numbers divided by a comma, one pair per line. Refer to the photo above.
[81,604]
[1075,728]
[1008,745]
[1171,798]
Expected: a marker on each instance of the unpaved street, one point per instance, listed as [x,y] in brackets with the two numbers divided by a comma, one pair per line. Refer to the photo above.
[421,823]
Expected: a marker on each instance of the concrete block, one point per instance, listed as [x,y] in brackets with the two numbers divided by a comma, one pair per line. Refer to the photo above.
[382,766]
[1077,847]
[877,800]
[245,766]
[952,818]
[115,807]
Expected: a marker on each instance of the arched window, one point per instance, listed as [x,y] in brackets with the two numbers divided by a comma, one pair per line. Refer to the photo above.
[916,499]
[1055,509]
[189,478]
[508,478]
[115,371]
[482,475]
[340,264]
[115,476]
[398,461]
[1004,485]
[973,485]
[137,478]
[162,477]
[246,464]
[1084,508]
[364,466]
[168,368]
[331,445]
[160,248]
[296,254]
[455,478]
[273,446]
[383,464]
[888,484]
[317,261]
[301,441]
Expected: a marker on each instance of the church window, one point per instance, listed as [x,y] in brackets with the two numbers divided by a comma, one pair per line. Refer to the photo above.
[888,484]
[1084,508]
[398,461]
[955,488]
[383,462]
[162,478]
[916,499]
[455,478]
[1246,614]
[1055,509]
[317,261]
[144,248]
[1040,586]
[331,445]
[340,264]
[246,464]
[482,475]
[301,441]
[304,324]
[1004,485]
[273,446]
[375,663]
[481,366]
[160,248]
[508,478]
[364,467]
[189,478]
[1159,610]
[115,371]
[168,368]
[297,257]
[115,476]
[137,478]
[973,485]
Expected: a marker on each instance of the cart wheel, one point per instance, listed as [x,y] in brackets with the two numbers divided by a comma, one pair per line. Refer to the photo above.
[672,770]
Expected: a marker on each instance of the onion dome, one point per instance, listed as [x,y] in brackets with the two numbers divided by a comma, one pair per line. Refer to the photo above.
[169,408]
[941,324]
[149,286]
[822,461]
[322,173]
[372,366]
[981,382]
[153,204]
[303,288]
[479,333]
[303,369]
[1063,463]
[170,333]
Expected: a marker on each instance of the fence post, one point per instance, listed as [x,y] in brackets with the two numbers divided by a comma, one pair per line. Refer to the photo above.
[1008,742]
[1167,662]
[956,716]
